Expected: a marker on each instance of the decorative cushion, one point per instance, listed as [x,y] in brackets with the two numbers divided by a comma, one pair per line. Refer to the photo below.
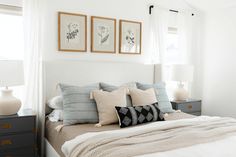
[161,95]
[143,97]
[77,105]
[106,102]
[129,116]
[110,88]
[56,102]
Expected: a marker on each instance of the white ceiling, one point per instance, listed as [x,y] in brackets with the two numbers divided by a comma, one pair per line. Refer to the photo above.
[206,5]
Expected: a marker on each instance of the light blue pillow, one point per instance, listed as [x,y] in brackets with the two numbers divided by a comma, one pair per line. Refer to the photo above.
[162,97]
[77,105]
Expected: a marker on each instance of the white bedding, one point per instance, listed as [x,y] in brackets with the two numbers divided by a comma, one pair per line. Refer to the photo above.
[221,148]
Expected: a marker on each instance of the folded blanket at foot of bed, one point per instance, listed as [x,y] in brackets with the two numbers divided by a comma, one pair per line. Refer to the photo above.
[151,138]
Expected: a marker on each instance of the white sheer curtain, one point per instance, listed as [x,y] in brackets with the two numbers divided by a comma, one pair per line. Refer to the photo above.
[160,22]
[185,34]
[33,46]
[190,32]
[186,40]
[158,31]
[157,43]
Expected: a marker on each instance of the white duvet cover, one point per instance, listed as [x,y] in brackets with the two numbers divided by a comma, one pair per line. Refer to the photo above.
[221,148]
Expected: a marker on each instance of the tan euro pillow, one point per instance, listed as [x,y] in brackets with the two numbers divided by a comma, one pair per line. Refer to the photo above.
[142,97]
[106,102]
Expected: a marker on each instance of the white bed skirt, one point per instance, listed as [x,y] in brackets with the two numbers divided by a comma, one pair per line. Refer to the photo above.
[49,150]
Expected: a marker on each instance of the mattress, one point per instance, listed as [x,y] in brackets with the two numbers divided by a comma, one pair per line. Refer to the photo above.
[57,139]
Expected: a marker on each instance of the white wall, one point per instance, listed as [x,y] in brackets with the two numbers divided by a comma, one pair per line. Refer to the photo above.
[219,59]
[119,9]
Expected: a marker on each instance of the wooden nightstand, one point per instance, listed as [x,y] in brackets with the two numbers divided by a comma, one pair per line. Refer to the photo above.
[18,135]
[190,106]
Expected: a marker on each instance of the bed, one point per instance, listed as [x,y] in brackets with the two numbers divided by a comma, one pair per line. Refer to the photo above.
[180,135]
[70,72]
[58,138]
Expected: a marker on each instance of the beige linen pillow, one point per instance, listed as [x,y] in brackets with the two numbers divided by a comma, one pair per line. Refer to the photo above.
[106,102]
[142,97]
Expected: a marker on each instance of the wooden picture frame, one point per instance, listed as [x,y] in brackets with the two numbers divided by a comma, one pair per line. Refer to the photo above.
[130,37]
[103,35]
[72,32]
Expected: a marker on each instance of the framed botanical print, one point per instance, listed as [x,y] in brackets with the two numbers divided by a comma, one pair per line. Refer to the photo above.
[72,32]
[103,35]
[130,37]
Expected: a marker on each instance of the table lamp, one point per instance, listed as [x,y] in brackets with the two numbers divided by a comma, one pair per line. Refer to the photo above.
[182,74]
[11,74]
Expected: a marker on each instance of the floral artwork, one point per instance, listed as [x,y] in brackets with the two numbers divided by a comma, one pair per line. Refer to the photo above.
[72,32]
[130,37]
[104,33]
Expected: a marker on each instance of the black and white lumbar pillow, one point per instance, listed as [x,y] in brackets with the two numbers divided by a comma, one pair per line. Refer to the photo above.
[129,116]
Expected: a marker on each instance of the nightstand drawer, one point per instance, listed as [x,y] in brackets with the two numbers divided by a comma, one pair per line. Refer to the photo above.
[21,152]
[196,113]
[190,107]
[15,125]
[17,141]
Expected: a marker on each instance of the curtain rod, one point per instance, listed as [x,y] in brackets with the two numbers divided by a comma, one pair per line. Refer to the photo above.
[171,10]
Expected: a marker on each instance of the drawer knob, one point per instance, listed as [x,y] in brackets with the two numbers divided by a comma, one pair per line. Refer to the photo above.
[6,142]
[190,107]
[6,126]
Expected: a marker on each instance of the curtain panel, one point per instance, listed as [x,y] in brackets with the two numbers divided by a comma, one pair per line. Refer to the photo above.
[33,17]
[161,20]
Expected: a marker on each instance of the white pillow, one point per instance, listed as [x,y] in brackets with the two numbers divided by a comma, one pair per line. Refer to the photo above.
[56,115]
[106,102]
[56,102]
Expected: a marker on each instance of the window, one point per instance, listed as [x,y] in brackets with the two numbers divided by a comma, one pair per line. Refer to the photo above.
[173,56]
[172,53]
[11,39]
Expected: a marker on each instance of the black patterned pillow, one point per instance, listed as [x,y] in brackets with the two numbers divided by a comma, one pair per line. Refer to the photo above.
[129,116]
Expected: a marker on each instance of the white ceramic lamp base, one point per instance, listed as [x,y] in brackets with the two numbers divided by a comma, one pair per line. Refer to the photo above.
[9,105]
[181,93]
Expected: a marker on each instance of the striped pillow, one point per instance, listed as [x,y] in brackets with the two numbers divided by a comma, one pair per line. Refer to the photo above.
[77,105]
[130,116]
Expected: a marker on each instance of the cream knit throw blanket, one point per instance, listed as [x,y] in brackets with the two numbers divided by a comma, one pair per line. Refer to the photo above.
[156,139]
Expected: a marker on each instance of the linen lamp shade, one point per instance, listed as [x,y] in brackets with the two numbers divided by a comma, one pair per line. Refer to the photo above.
[182,73]
[11,73]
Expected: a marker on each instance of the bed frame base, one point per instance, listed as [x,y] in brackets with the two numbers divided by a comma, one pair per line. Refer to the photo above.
[49,150]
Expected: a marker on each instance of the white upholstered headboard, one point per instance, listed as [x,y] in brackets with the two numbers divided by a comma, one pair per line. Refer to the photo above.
[86,72]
